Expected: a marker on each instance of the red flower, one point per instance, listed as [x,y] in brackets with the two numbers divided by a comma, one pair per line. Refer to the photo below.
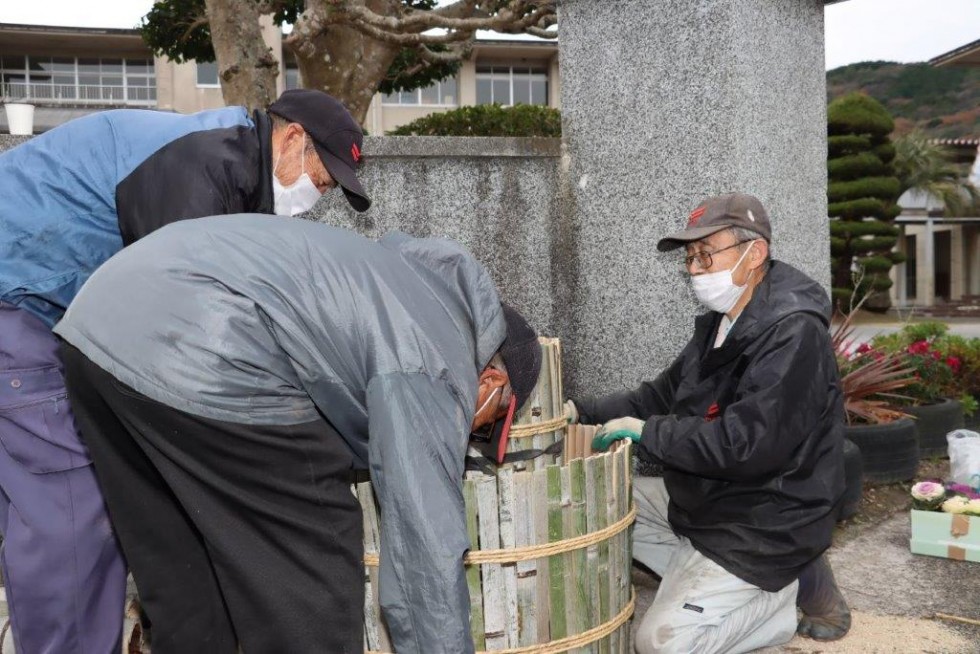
[937,355]
[954,363]
[919,347]
[863,348]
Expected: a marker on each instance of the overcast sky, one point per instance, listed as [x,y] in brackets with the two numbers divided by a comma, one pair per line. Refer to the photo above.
[857,30]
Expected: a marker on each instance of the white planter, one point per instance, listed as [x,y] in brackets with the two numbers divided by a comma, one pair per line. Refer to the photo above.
[20,118]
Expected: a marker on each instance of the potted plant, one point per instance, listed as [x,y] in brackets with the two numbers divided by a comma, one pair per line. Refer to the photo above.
[935,397]
[883,433]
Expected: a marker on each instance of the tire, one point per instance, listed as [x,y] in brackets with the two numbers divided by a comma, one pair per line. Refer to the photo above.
[853,481]
[889,452]
[933,422]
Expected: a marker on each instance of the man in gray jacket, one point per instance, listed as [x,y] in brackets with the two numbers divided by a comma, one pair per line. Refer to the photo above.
[227,375]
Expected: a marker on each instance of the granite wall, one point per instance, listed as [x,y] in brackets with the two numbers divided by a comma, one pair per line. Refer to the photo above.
[497,196]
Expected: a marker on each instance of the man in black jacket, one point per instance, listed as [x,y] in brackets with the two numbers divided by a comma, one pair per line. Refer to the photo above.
[747,424]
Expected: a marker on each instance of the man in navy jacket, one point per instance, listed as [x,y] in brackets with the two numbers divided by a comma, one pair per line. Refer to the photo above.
[71,198]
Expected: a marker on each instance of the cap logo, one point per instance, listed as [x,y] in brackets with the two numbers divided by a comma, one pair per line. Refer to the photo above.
[751,217]
[355,152]
[695,216]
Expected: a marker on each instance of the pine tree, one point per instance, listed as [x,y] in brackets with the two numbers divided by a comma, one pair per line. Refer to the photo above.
[862,193]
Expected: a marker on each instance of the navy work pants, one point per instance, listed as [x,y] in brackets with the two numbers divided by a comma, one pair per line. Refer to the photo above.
[64,575]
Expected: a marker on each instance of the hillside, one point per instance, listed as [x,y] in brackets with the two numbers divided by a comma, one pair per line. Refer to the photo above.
[942,102]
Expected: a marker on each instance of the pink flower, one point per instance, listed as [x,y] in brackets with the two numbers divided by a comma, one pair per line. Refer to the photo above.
[928,490]
[863,348]
[937,355]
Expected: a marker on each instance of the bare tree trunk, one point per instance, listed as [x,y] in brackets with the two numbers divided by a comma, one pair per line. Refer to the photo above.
[246,66]
[344,63]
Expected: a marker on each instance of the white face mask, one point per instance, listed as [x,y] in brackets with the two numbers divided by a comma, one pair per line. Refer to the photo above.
[716,290]
[299,196]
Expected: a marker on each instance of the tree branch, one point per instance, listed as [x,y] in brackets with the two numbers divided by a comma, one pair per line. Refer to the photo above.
[397,38]
[454,53]
[200,21]
[517,16]
[541,33]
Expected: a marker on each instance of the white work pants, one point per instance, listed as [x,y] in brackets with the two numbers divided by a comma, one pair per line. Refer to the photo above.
[700,607]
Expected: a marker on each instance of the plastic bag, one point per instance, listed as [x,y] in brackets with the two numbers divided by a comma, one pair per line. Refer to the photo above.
[964,457]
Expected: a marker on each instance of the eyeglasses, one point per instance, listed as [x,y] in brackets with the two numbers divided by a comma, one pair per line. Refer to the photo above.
[704,258]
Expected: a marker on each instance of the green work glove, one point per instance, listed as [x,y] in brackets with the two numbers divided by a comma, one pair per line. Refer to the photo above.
[618,429]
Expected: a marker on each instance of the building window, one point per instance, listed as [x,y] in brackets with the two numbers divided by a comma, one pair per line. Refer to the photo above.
[441,94]
[81,80]
[293,79]
[510,85]
[207,73]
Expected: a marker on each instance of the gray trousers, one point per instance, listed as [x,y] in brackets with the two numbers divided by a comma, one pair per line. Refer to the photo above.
[700,607]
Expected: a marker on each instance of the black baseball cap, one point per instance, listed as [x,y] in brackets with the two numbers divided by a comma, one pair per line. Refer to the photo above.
[718,213]
[521,353]
[336,136]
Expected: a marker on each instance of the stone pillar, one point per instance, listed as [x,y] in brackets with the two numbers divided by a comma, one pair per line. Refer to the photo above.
[665,102]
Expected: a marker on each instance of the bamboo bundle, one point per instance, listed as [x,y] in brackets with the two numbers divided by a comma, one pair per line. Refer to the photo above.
[541,421]
[549,568]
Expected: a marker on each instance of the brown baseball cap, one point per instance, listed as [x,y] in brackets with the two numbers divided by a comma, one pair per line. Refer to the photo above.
[718,213]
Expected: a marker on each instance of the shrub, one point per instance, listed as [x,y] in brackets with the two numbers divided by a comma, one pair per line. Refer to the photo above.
[487,120]
[946,365]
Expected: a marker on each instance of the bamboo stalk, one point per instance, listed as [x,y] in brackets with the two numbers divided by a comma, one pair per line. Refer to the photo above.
[557,391]
[615,555]
[623,457]
[473,580]
[545,383]
[527,571]
[578,615]
[494,612]
[542,586]
[375,631]
[598,554]
[556,571]
[508,539]
[370,622]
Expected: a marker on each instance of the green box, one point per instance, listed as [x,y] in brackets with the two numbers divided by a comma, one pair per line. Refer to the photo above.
[946,535]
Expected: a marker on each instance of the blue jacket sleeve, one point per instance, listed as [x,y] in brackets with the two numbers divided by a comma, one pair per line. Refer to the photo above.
[418,437]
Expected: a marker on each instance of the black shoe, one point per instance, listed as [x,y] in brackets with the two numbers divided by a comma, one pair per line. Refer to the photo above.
[825,613]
